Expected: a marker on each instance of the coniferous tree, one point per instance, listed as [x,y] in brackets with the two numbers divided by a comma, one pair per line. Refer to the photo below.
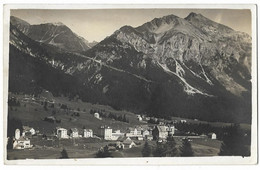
[103,152]
[10,143]
[160,150]
[146,152]
[234,143]
[186,149]
[64,154]
[171,147]
[45,105]
[124,119]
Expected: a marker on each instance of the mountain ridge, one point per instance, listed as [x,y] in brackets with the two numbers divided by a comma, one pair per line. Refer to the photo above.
[177,72]
[57,34]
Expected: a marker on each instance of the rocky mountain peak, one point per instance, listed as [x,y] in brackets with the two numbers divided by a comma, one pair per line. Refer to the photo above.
[194,15]
[206,24]
[159,25]
[56,34]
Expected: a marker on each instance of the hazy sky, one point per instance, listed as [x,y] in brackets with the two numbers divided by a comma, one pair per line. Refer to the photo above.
[96,24]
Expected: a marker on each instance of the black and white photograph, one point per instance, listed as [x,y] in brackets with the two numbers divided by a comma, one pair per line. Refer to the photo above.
[101,83]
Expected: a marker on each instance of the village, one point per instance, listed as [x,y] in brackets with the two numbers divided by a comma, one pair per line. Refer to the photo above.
[118,140]
[124,135]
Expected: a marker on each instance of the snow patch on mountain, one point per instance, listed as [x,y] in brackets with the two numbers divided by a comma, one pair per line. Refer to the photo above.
[187,87]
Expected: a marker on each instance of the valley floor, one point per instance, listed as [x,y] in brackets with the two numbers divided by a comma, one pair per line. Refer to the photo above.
[201,147]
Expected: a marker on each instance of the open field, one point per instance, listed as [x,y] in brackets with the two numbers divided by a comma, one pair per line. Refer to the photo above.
[87,148]
[33,113]
[205,147]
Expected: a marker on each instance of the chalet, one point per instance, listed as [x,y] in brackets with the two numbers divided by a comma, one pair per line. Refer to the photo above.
[106,132]
[212,135]
[22,143]
[145,133]
[134,132]
[116,135]
[74,133]
[119,145]
[88,133]
[160,132]
[61,132]
[128,143]
[28,130]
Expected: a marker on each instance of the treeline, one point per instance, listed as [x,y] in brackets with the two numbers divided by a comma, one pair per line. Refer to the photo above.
[235,142]
[102,113]
[202,128]
[168,149]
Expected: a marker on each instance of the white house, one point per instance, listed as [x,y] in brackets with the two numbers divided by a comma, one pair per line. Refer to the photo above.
[96,115]
[212,135]
[160,132]
[183,121]
[134,132]
[20,142]
[88,133]
[116,135]
[106,132]
[27,129]
[61,132]
[140,118]
[171,130]
[74,133]
[145,133]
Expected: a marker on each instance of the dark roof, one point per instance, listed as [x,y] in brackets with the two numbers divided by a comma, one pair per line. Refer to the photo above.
[162,128]
[74,130]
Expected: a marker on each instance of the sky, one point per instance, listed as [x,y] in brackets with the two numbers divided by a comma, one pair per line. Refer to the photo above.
[96,24]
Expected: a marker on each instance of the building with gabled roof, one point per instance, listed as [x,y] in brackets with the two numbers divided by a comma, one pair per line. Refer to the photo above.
[160,132]
[106,132]
[134,132]
[27,129]
[212,135]
[61,132]
[74,133]
[20,142]
[128,143]
[88,133]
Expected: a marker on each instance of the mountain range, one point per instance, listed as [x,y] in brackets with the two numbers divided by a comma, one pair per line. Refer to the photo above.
[188,67]
[56,34]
